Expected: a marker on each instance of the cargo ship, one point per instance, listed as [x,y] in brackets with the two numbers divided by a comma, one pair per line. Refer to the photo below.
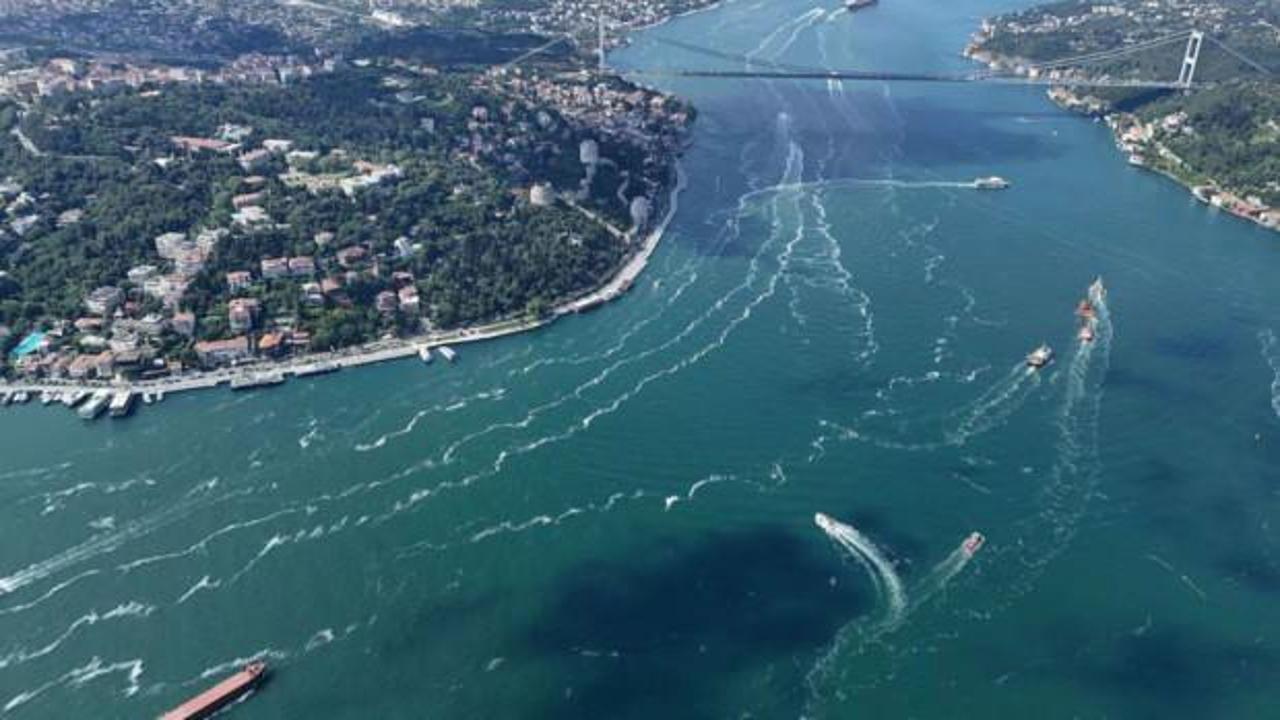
[219,696]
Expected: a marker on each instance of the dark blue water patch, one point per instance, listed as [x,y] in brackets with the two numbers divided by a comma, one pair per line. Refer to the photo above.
[1251,567]
[679,622]
[1197,347]
[1174,672]
[896,544]
[1126,378]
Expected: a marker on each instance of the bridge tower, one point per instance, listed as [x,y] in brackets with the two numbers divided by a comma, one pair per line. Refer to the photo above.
[1190,58]
[600,37]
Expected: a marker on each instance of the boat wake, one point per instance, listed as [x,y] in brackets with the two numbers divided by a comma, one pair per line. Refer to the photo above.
[857,635]
[865,552]
[1271,353]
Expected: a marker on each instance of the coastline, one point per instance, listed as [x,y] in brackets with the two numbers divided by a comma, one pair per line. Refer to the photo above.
[1116,121]
[383,350]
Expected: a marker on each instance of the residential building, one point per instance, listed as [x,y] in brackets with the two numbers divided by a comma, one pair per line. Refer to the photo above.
[222,352]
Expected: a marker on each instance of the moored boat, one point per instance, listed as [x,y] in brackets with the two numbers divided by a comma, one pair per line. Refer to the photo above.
[219,696]
[72,398]
[424,354]
[447,353]
[1040,357]
[256,380]
[95,406]
[122,404]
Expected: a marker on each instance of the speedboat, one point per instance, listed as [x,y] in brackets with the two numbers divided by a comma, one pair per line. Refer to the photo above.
[1086,332]
[972,544]
[1040,357]
[994,182]
[823,521]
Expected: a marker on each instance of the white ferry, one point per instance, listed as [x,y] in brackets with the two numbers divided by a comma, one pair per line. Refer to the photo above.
[122,404]
[447,353]
[95,406]
[73,398]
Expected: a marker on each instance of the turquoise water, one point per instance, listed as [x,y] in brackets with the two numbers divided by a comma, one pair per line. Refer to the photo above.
[613,517]
[28,345]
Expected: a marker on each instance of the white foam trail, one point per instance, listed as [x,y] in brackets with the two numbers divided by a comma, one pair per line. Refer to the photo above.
[671,500]
[50,592]
[860,546]
[272,543]
[1182,577]
[131,609]
[996,405]
[1271,353]
[202,545]
[77,677]
[941,575]
[204,583]
[508,526]
[312,434]
[319,639]
[97,545]
[449,407]
[796,23]
[34,472]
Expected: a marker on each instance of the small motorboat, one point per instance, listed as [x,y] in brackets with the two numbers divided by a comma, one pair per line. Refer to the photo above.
[972,544]
[1040,357]
[1086,333]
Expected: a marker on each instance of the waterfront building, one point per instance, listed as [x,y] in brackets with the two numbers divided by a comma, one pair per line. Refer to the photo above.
[222,352]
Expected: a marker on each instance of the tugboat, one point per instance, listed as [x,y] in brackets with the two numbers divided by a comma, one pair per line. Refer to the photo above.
[1039,357]
[972,544]
[1087,310]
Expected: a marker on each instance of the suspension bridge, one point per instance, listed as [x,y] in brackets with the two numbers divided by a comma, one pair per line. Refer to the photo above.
[1063,72]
